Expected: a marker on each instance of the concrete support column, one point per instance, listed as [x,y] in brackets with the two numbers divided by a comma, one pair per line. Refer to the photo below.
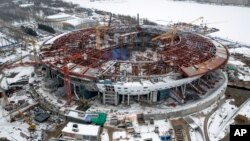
[104,102]
[116,98]
[123,99]
[128,99]
[53,75]
[47,73]
[99,94]
[138,98]
[183,90]
[148,98]
[74,90]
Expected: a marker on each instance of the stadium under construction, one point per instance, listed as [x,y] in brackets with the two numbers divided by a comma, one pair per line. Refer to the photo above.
[134,63]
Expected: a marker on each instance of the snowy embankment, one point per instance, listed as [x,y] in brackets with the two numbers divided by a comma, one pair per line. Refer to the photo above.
[232,21]
[245,110]
[22,72]
[242,50]
[218,121]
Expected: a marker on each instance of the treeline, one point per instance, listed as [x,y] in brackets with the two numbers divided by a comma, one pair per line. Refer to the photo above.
[125,18]
[148,22]
[46,28]
[10,12]
[223,2]
[29,31]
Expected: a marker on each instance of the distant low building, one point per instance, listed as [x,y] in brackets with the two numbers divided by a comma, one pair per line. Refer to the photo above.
[63,21]
[78,23]
[232,2]
[81,132]
[58,17]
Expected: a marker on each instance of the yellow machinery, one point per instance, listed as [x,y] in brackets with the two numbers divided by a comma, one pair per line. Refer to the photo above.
[100,30]
[172,32]
[200,18]
[33,43]
[32,127]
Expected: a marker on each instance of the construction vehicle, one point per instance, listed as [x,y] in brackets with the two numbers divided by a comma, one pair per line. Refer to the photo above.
[32,126]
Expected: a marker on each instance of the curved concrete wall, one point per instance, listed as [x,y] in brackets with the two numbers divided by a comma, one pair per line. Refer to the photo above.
[193,107]
[145,87]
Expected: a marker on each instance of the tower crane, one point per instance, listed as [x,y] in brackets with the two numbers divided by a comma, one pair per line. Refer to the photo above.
[195,20]
[101,30]
[172,32]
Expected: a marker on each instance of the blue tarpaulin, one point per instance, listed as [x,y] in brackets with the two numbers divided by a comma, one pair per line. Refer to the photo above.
[120,54]
[166,138]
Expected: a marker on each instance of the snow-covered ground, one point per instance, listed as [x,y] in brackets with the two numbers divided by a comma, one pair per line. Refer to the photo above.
[243,50]
[243,70]
[195,135]
[12,130]
[23,72]
[232,61]
[231,20]
[8,57]
[244,77]
[219,121]
[146,131]
[245,110]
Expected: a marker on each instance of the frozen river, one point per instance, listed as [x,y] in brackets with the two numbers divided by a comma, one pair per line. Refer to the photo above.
[231,20]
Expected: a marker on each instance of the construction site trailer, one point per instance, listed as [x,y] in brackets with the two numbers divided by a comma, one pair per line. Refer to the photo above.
[81,131]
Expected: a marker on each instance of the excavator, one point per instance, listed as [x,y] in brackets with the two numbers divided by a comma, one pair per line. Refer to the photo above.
[32,126]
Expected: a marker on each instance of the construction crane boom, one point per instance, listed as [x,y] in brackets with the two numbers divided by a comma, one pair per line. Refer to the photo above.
[172,32]
[200,18]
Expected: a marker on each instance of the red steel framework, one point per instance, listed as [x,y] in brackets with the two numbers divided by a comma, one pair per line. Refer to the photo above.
[76,54]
